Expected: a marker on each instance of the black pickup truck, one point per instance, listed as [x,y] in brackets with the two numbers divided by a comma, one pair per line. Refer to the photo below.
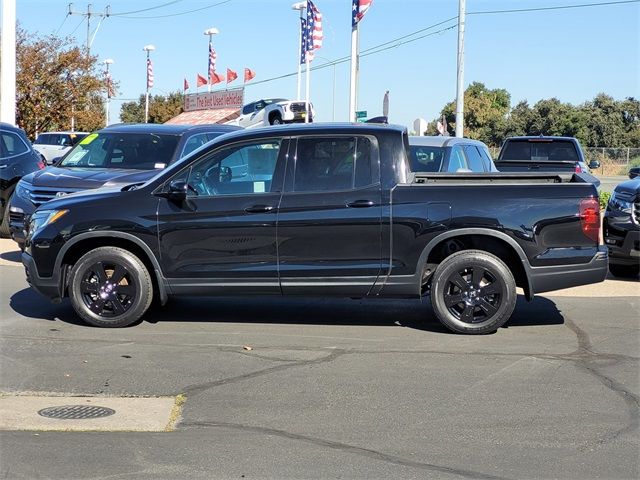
[317,210]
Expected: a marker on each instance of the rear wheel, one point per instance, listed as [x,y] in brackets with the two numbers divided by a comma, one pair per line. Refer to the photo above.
[473,292]
[110,287]
[276,119]
[624,271]
[5,232]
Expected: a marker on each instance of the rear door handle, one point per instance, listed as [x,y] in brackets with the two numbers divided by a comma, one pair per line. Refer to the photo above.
[259,209]
[361,204]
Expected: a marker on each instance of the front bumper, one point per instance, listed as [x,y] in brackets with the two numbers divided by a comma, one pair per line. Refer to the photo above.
[624,250]
[558,277]
[19,215]
[48,286]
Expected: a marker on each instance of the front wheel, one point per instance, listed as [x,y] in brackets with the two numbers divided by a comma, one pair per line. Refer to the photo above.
[473,292]
[276,120]
[110,287]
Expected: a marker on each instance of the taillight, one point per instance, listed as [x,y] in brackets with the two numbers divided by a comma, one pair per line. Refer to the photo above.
[578,168]
[590,218]
[41,164]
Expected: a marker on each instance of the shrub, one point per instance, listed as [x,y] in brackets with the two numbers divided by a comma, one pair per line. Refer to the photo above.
[604,199]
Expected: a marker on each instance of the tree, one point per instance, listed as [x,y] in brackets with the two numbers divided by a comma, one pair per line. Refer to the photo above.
[55,82]
[161,108]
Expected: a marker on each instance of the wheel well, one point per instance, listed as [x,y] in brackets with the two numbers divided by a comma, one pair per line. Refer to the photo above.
[273,114]
[496,246]
[77,250]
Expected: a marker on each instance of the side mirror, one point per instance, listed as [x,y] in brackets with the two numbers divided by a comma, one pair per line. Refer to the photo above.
[54,161]
[177,191]
[594,164]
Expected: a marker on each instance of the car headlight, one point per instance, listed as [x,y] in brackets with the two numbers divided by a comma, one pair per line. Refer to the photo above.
[23,190]
[616,202]
[42,218]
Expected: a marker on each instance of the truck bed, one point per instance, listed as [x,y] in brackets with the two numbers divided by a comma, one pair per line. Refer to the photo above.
[501,178]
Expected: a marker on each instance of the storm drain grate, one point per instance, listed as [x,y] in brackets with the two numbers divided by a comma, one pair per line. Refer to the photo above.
[76,412]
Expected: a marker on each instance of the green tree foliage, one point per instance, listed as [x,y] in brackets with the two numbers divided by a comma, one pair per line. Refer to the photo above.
[161,108]
[601,122]
[56,80]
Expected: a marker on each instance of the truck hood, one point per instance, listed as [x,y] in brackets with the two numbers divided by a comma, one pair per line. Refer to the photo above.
[87,178]
[629,188]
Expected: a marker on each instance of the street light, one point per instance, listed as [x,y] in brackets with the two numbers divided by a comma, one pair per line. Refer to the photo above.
[107,62]
[210,32]
[300,6]
[148,49]
[333,107]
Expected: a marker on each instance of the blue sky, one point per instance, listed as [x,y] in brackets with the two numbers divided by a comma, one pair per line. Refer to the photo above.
[570,54]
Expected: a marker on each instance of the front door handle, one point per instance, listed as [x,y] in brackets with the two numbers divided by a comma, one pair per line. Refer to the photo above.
[361,204]
[259,209]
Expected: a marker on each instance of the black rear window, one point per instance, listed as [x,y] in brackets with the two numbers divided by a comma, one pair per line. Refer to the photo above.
[539,150]
[426,159]
[142,151]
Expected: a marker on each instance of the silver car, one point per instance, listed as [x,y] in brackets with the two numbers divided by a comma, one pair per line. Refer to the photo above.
[52,145]
[449,154]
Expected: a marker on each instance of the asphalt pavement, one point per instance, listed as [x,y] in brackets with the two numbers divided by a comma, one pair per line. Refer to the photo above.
[323,388]
[607,184]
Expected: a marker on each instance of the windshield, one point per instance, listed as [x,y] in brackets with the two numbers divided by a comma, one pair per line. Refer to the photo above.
[426,159]
[141,151]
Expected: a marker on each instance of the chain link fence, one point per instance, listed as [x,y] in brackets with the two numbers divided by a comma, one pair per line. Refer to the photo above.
[613,161]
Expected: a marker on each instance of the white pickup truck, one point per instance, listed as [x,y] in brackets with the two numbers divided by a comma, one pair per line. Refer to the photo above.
[273,111]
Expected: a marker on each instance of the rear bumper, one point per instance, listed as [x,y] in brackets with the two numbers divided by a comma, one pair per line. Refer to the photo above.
[47,286]
[557,277]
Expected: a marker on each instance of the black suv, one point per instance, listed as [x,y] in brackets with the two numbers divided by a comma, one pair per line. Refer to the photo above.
[17,158]
[622,229]
[116,155]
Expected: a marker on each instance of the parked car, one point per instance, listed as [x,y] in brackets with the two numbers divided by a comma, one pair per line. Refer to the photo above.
[322,210]
[273,111]
[449,154]
[115,155]
[621,226]
[543,154]
[52,145]
[17,158]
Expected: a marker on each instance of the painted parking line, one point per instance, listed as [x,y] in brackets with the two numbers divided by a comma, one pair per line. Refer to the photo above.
[89,413]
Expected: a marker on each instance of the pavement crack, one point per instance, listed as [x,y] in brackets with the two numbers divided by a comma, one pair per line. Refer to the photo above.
[199,388]
[346,448]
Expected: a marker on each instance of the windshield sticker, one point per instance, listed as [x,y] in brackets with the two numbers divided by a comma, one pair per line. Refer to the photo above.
[88,139]
[159,165]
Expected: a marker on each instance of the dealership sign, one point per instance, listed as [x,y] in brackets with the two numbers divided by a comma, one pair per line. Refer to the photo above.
[214,100]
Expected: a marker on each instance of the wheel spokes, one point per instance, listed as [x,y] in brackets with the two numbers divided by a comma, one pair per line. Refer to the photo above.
[118,274]
[453,299]
[476,276]
[467,314]
[458,281]
[88,287]
[126,290]
[487,307]
[490,289]
[118,307]
[97,305]
[99,270]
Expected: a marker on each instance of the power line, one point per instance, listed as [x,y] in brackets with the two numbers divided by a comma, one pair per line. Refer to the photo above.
[65,19]
[147,9]
[556,7]
[77,26]
[176,14]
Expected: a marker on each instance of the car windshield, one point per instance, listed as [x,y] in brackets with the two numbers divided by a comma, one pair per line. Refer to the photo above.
[141,151]
[269,101]
[425,158]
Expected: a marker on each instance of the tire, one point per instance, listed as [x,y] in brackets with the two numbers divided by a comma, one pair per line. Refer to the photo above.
[101,303]
[483,286]
[5,231]
[276,119]
[624,271]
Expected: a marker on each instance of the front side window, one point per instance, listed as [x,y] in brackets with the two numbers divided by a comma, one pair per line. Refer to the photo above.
[331,164]
[236,170]
[142,151]
[11,144]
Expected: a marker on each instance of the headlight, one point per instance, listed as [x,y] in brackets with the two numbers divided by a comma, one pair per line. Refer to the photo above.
[23,190]
[618,203]
[42,218]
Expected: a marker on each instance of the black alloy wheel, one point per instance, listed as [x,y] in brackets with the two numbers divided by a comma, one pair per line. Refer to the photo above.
[473,292]
[110,287]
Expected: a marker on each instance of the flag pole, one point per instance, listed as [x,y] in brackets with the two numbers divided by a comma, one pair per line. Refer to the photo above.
[460,76]
[308,110]
[354,73]
[299,64]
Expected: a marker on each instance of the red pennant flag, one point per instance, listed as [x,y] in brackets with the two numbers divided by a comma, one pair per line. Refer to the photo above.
[217,78]
[231,75]
[248,74]
[200,80]
[186,85]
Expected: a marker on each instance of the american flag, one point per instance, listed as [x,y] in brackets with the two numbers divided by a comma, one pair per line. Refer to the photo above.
[212,61]
[358,9]
[149,73]
[303,41]
[312,37]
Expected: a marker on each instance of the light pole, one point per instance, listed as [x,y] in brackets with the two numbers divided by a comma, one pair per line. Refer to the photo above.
[212,56]
[460,76]
[300,6]
[107,62]
[333,106]
[148,49]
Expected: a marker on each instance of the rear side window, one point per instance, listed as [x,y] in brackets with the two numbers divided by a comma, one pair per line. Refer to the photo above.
[539,150]
[194,142]
[426,159]
[331,164]
[456,160]
[47,139]
[11,144]
[475,160]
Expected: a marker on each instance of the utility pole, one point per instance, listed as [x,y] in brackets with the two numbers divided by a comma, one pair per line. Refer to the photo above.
[8,67]
[460,78]
[88,14]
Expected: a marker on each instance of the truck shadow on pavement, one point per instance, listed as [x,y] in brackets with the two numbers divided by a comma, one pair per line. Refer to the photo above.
[292,310]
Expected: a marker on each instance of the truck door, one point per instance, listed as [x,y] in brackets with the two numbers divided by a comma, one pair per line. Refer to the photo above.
[329,220]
